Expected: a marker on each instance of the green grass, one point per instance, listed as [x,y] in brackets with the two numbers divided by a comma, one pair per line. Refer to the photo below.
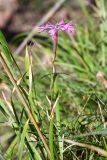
[78,98]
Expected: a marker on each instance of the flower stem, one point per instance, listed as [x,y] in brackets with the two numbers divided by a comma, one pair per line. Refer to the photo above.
[54,48]
[53,77]
[54,93]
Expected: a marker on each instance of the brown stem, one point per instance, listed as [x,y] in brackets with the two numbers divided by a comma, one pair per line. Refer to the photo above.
[88,146]
[23,102]
[54,50]
[54,53]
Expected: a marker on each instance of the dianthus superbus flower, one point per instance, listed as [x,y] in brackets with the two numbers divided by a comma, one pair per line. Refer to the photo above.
[53,29]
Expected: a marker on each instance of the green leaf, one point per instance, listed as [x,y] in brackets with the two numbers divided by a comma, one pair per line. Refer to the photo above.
[51,139]
[7,55]
[22,143]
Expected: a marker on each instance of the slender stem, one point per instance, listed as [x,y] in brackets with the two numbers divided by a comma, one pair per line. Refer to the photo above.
[51,127]
[88,146]
[54,48]
[23,102]
[53,66]
[55,88]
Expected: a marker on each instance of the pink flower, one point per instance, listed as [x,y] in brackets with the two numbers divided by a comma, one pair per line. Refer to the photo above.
[53,29]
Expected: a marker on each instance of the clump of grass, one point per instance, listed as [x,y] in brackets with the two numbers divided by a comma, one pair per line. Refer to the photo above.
[58,110]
